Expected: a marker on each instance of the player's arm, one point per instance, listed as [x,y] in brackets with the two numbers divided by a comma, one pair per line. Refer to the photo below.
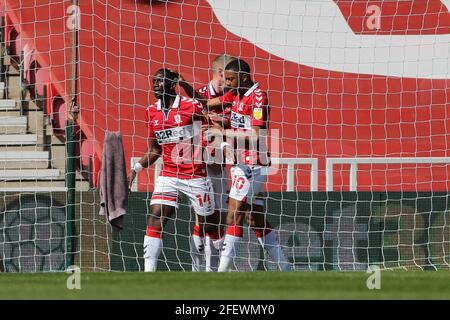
[220,119]
[152,154]
[215,104]
[220,103]
[150,157]
[191,92]
[250,135]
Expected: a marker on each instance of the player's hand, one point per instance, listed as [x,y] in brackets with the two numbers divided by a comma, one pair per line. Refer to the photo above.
[130,178]
[213,132]
[213,136]
[229,154]
[216,126]
[215,118]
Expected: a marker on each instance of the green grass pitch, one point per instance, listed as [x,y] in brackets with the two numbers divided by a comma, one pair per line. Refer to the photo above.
[214,286]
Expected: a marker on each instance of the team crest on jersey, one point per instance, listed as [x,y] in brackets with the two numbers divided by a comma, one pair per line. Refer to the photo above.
[241,107]
[177,119]
[258,113]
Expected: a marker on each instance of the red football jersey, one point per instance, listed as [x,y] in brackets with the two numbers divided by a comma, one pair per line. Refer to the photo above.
[251,110]
[208,92]
[177,131]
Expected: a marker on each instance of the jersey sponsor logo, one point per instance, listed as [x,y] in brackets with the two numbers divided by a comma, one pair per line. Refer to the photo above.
[174,135]
[258,113]
[240,121]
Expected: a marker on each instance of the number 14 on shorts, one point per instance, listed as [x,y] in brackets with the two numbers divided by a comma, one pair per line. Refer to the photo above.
[203,200]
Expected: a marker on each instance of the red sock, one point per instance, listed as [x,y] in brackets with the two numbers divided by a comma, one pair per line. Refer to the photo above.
[261,232]
[197,231]
[236,231]
[216,234]
[154,232]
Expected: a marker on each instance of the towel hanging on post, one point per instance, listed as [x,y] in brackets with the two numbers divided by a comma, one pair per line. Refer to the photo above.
[113,180]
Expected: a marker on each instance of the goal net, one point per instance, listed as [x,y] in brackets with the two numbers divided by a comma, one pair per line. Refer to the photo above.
[359,97]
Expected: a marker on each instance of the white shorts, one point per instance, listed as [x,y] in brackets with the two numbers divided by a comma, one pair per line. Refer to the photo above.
[199,192]
[247,184]
[220,186]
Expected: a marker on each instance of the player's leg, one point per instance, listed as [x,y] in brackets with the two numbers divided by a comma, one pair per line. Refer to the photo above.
[210,245]
[214,240]
[153,238]
[266,235]
[197,246]
[199,192]
[257,219]
[236,212]
[234,233]
[162,206]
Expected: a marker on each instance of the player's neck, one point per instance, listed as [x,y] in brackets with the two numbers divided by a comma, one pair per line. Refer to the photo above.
[167,101]
[244,88]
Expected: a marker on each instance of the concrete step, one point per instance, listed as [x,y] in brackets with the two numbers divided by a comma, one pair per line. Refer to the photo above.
[33,189]
[18,139]
[58,157]
[32,185]
[10,113]
[36,121]
[7,60]
[13,125]
[30,105]
[56,153]
[24,159]
[13,88]
[40,186]
[29,174]
[8,104]
[39,146]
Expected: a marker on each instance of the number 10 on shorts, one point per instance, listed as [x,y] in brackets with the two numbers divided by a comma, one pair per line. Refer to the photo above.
[238,183]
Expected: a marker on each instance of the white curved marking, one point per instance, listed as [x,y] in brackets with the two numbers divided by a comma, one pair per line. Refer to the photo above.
[446,3]
[314,33]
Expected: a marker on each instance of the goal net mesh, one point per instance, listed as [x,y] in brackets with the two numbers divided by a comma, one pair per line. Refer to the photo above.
[359,105]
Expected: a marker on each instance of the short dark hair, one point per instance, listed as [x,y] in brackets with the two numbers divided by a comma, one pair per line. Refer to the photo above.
[168,74]
[239,66]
